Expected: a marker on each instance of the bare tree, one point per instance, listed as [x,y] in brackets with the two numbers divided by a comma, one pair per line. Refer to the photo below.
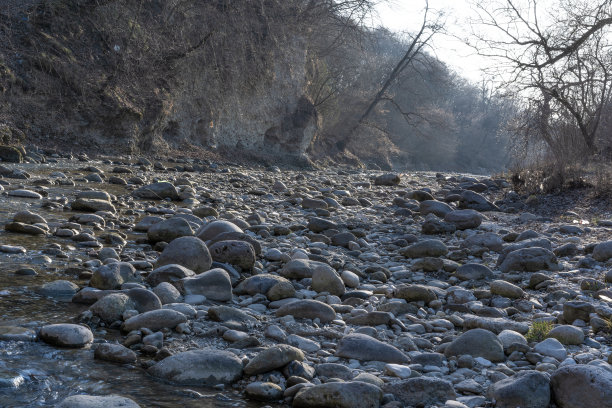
[557,59]
[419,41]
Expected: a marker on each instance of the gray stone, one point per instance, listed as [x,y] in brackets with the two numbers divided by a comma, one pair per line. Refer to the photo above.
[190,252]
[91,204]
[529,260]
[115,353]
[387,179]
[339,395]
[325,279]
[494,324]
[421,391]
[302,268]
[238,253]
[199,367]
[147,222]
[167,293]
[473,271]
[113,275]
[214,284]
[22,193]
[582,386]
[66,335]
[264,391]
[157,191]
[567,334]
[111,307]
[526,389]
[474,201]
[169,230]
[415,293]
[308,309]
[22,228]
[91,401]
[58,288]
[144,300]
[477,343]
[428,247]
[506,289]
[509,337]
[273,358]
[155,320]
[214,228]
[551,348]
[577,310]
[489,240]
[316,224]
[435,207]
[28,217]
[168,273]
[464,219]
[225,313]
[602,251]
[366,348]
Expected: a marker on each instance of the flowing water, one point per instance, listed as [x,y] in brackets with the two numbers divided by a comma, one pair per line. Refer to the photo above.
[33,374]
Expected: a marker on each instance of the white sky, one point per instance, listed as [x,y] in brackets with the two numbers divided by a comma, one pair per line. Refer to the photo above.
[407,15]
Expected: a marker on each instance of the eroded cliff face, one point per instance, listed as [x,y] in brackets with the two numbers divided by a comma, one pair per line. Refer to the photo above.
[275,116]
[105,75]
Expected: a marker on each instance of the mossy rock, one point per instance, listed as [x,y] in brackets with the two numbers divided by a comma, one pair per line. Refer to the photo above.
[10,154]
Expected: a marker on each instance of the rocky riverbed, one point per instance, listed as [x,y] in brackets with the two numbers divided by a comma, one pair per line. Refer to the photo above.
[184,283]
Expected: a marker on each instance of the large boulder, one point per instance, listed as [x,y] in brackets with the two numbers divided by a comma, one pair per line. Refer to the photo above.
[168,273]
[111,307]
[425,248]
[325,279]
[464,219]
[363,347]
[154,320]
[526,389]
[387,179]
[113,275]
[529,260]
[92,204]
[94,401]
[215,284]
[237,253]
[302,268]
[473,271]
[169,230]
[308,309]
[66,335]
[339,395]
[474,201]
[477,343]
[191,252]
[421,391]
[582,386]
[157,191]
[435,207]
[212,229]
[506,289]
[199,367]
[273,358]
[602,251]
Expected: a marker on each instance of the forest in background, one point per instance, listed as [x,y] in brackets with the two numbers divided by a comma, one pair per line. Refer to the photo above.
[270,76]
[305,80]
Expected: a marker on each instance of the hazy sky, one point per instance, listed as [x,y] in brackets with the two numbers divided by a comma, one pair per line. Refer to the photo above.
[406,15]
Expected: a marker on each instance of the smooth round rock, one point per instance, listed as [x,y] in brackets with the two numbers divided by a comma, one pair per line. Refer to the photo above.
[199,367]
[190,252]
[66,335]
[90,401]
